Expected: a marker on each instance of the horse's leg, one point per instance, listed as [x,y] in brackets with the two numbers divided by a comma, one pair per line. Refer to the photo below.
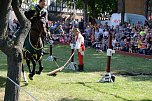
[28,65]
[34,65]
[32,72]
[40,67]
[24,76]
[29,68]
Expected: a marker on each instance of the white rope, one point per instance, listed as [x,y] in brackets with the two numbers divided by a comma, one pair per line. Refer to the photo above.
[56,64]
[69,59]
[23,89]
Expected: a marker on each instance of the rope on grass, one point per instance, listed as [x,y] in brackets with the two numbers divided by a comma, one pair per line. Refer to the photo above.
[57,64]
[34,99]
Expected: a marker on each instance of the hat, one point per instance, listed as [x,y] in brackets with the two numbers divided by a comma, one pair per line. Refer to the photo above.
[76,30]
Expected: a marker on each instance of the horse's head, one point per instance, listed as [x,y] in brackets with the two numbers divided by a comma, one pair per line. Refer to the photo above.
[41,26]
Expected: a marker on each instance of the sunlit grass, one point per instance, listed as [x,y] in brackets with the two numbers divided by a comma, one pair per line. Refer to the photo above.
[71,85]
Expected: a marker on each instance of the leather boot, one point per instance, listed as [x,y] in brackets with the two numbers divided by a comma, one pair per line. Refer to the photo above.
[80,68]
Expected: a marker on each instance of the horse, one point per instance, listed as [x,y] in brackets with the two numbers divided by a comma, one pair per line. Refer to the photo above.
[33,47]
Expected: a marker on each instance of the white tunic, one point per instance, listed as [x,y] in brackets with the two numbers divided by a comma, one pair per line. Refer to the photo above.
[79,45]
[79,41]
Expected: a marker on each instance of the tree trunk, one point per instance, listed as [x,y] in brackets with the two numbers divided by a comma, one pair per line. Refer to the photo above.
[14,62]
[123,12]
[94,10]
[85,12]
[13,52]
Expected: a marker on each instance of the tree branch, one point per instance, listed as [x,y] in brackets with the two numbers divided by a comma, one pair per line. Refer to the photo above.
[4,11]
[24,23]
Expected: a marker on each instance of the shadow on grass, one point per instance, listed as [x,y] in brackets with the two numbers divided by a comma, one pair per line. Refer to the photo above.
[140,100]
[81,83]
[133,76]
[75,99]
[142,78]
[2,82]
[100,91]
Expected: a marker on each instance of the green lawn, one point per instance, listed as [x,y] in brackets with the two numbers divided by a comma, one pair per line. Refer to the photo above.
[71,85]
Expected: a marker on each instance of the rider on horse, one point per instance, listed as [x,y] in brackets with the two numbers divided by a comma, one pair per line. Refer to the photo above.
[36,12]
[33,45]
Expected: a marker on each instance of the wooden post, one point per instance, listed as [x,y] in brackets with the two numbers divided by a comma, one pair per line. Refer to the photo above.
[50,49]
[109,47]
[108,77]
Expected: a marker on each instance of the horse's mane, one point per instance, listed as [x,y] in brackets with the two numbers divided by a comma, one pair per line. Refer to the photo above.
[38,24]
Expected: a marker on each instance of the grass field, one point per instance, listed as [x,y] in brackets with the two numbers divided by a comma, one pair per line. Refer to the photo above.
[130,83]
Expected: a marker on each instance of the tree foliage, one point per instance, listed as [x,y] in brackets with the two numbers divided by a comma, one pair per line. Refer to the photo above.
[97,6]
[101,6]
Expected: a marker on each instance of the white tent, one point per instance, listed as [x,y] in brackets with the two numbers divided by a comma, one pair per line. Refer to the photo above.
[130,18]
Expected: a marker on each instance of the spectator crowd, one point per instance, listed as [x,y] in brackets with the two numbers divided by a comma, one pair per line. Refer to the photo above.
[125,37]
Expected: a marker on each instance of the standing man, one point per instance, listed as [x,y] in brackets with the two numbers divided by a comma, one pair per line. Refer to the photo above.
[35,12]
[79,46]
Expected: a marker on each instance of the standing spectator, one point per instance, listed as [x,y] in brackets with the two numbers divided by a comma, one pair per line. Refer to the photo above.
[79,45]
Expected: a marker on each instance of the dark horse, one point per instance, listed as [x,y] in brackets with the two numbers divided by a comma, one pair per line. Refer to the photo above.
[33,47]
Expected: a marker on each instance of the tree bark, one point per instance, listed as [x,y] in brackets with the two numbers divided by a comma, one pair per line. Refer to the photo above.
[85,12]
[123,12]
[4,9]
[14,51]
[93,10]
[14,62]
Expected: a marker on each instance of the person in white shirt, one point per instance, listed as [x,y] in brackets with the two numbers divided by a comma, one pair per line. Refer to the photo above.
[79,46]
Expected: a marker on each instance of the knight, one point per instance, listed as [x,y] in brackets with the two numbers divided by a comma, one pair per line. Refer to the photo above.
[35,12]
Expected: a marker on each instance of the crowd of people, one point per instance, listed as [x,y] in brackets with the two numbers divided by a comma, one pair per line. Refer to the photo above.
[125,37]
